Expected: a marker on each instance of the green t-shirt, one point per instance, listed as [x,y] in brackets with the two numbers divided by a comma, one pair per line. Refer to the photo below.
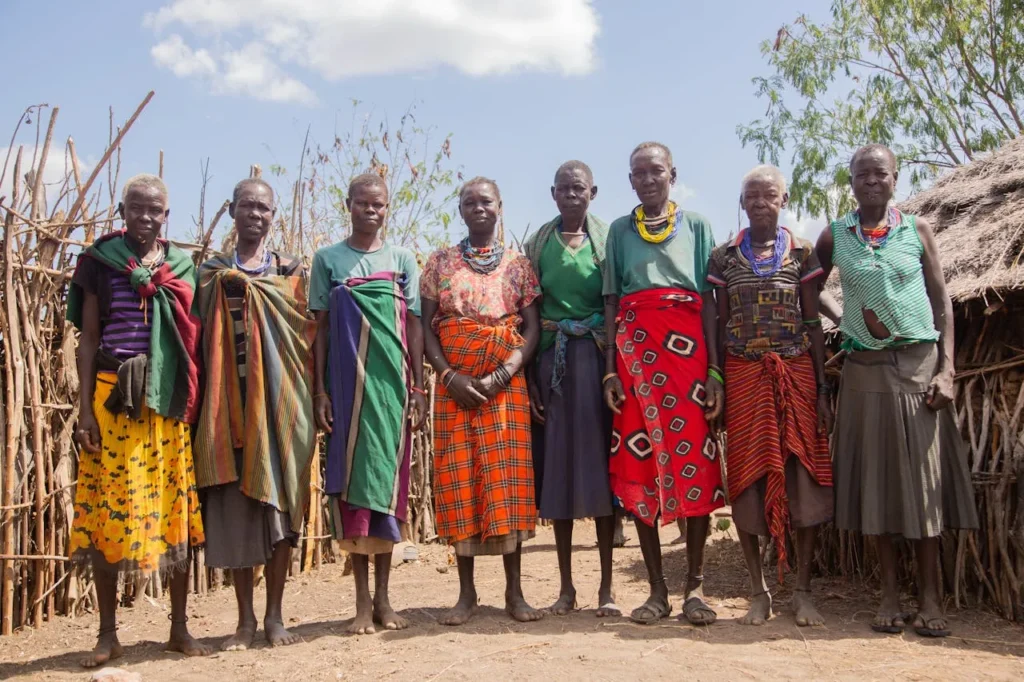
[340,261]
[570,282]
[633,265]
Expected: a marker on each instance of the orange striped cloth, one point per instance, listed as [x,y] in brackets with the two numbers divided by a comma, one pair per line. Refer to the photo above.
[771,409]
[483,465]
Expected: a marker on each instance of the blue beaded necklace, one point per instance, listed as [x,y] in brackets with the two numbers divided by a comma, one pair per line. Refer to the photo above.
[769,265]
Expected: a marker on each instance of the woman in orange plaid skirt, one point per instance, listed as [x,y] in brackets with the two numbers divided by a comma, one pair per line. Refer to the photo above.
[480,328]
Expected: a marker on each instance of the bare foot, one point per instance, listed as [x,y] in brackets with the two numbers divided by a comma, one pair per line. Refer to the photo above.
[245,633]
[566,603]
[107,649]
[890,618]
[276,635]
[516,606]
[386,616]
[760,611]
[184,643]
[462,611]
[805,611]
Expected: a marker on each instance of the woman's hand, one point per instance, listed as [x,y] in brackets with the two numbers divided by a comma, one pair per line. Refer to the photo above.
[417,410]
[614,394]
[826,418]
[536,404]
[88,433]
[464,392]
[324,413]
[714,403]
[941,392]
[488,387]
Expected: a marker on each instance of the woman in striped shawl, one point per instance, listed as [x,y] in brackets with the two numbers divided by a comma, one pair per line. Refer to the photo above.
[900,462]
[779,473]
[255,440]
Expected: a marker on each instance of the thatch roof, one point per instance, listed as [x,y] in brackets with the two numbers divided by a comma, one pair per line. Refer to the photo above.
[977,211]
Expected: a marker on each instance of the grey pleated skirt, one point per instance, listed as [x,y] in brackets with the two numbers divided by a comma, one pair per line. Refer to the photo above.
[900,467]
[571,449]
[241,532]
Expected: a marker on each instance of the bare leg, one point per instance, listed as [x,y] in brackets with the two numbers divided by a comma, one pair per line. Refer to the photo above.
[804,609]
[930,620]
[760,611]
[681,524]
[563,543]
[180,639]
[656,607]
[515,602]
[695,608]
[107,646]
[466,606]
[620,536]
[382,611]
[890,617]
[363,623]
[273,618]
[605,542]
[246,630]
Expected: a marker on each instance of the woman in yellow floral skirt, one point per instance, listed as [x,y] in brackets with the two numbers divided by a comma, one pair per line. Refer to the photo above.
[136,507]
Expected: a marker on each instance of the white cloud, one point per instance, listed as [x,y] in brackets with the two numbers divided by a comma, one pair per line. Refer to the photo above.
[172,53]
[808,227]
[681,193]
[336,39]
[58,169]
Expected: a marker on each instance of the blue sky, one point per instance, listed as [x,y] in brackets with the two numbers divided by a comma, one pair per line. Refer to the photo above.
[517,103]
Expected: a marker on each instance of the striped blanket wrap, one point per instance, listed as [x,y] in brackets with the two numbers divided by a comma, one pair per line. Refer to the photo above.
[770,414]
[274,428]
[483,459]
[368,453]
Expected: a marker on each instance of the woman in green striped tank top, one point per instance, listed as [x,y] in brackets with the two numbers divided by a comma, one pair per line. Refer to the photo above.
[900,464]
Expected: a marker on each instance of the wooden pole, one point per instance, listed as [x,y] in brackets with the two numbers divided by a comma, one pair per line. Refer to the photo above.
[161,173]
[38,190]
[13,370]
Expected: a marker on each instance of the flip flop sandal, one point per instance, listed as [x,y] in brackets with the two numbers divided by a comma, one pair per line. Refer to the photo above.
[892,629]
[925,631]
[657,611]
[611,610]
[694,604]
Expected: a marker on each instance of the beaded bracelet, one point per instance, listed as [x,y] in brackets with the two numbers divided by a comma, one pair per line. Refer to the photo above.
[715,374]
[417,389]
[815,322]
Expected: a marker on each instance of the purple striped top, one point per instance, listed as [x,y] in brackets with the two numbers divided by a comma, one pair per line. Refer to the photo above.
[126,325]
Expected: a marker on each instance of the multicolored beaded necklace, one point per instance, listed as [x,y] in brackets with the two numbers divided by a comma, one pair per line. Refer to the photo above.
[765,266]
[666,223]
[876,237]
[260,269]
[483,260]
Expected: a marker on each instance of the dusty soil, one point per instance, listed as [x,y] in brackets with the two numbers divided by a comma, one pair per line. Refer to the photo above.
[579,646]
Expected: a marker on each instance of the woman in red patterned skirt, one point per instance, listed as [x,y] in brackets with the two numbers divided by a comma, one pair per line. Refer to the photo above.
[661,378]
[777,409]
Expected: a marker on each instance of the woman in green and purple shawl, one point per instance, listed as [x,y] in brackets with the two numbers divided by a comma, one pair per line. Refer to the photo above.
[369,387]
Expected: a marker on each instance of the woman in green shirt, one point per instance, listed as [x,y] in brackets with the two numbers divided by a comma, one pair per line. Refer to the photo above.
[900,462]
[573,433]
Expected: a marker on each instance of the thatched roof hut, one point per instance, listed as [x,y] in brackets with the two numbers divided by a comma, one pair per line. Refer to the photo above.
[977,212]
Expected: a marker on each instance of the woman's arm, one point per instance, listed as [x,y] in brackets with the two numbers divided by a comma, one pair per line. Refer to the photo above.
[322,409]
[614,393]
[414,335]
[809,297]
[491,385]
[941,392]
[460,386]
[827,304]
[88,344]
[715,400]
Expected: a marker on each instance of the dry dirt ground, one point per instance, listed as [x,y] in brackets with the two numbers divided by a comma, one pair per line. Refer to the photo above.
[579,646]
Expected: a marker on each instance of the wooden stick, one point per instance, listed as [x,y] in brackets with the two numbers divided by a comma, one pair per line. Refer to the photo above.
[38,196]
[77,206]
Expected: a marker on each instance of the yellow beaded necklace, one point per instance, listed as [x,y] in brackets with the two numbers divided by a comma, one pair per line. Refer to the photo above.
[661,236]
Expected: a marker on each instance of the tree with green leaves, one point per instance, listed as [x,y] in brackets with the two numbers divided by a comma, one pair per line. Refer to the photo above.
[939,81]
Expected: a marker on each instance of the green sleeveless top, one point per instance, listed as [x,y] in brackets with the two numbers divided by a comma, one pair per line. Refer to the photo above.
[888,281]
